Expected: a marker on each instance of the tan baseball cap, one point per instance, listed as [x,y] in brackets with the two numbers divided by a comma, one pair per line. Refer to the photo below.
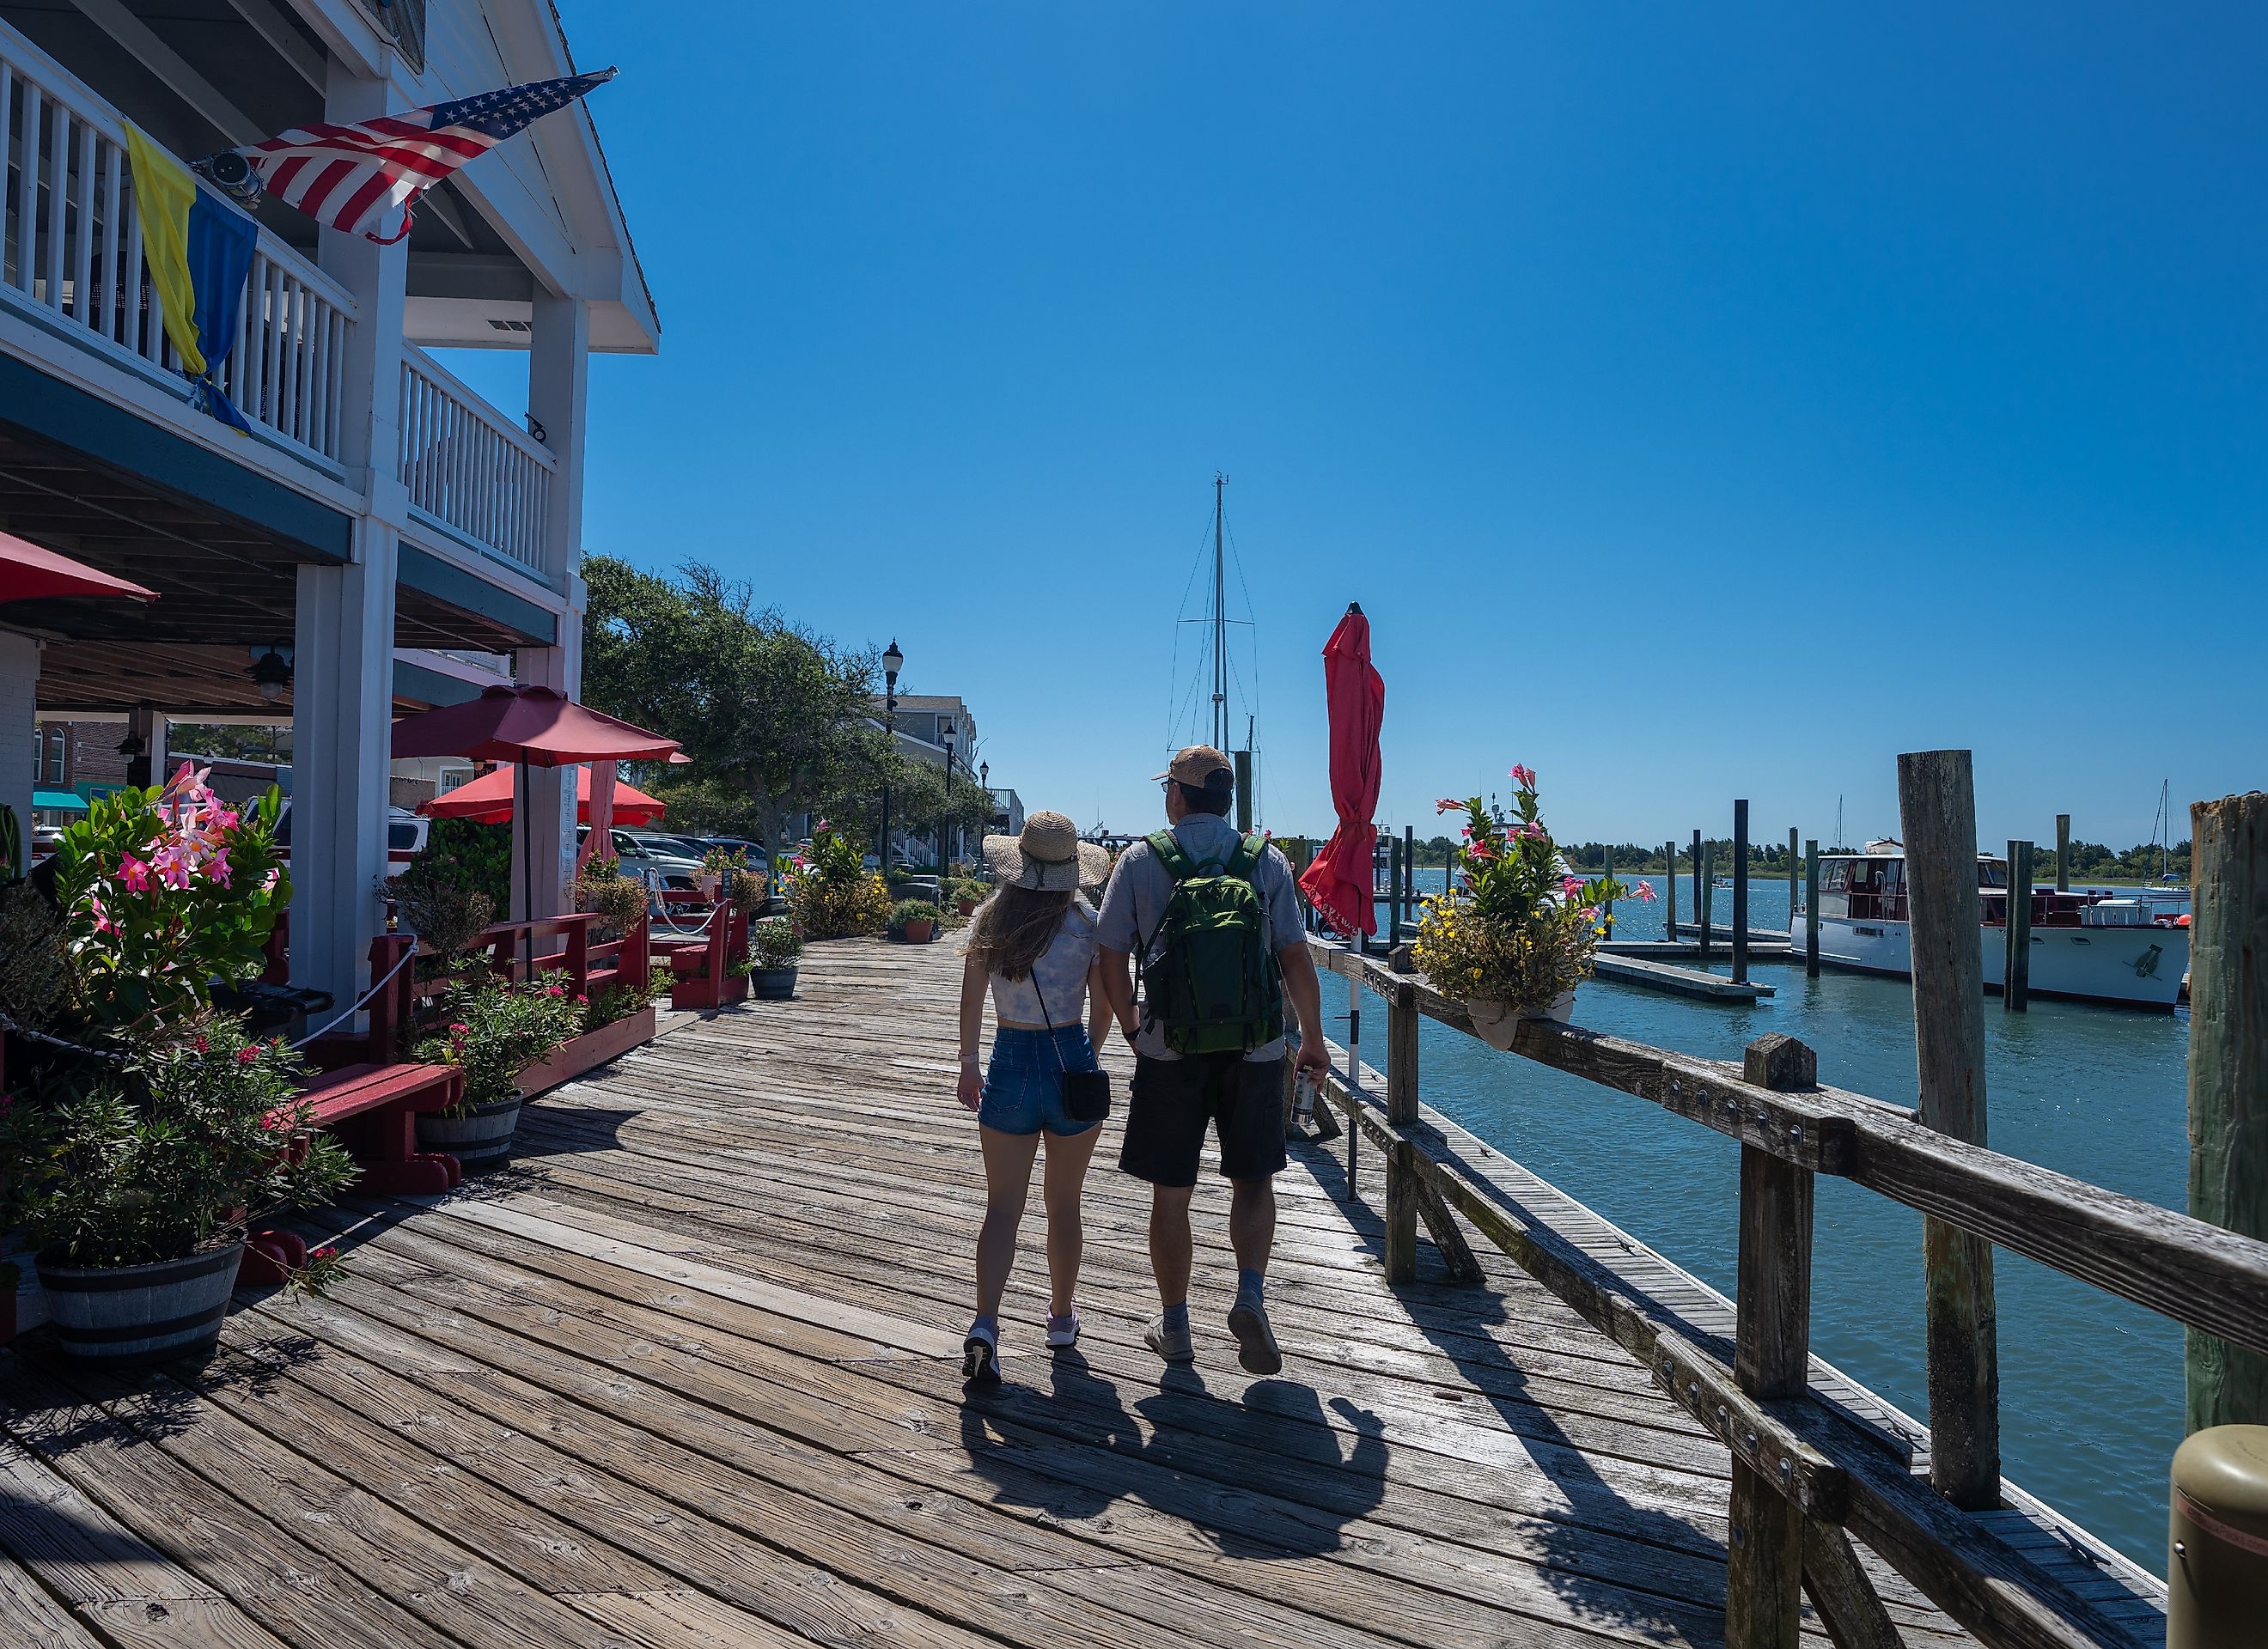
[1200,765]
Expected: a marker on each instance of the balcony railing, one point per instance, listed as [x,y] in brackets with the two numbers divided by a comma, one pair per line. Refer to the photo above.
[468,467]
[71,246]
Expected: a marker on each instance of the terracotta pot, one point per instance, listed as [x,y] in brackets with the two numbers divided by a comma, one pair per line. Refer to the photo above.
[1497,1023]
[126,1316]
[967,906]
[916,932]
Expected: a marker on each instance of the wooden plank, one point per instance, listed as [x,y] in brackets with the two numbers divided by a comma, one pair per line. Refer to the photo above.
[1840,1591]
[1937,809]
[1654,974]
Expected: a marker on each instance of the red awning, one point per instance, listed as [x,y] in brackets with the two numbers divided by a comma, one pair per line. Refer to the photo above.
[487,799]
[539,725]
[28,572]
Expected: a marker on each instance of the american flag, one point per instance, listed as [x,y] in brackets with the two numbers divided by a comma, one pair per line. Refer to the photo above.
[365,176]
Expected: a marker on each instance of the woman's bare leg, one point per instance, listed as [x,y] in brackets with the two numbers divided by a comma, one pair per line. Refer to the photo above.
[1007,1183]
[1061,1184]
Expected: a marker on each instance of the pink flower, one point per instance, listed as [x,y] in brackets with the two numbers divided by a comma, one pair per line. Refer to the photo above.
[460,1028]
[582,1001]
[268,882]
[134,873]
[554,990]
[1522,776]
[1448,804]
[245,1055]
[201,1045]
[216,868]
[1480,850]
[227,819]
[1589,913]
[1531,832]
[326,1252]
[1645,893]
[1569,886]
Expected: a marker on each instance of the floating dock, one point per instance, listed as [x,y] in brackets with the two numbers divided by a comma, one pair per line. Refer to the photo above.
[1654,975]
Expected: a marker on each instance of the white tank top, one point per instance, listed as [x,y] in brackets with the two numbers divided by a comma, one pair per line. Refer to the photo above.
[1061,972]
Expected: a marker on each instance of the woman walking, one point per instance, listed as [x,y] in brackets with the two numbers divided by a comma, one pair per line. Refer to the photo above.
[1034,945]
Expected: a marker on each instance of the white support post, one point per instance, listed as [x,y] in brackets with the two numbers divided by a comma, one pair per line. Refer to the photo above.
[551,790]
[19,756]
[558,384]
[343,687]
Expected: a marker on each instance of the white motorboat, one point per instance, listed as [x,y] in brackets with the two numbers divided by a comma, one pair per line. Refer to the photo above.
[2128,947]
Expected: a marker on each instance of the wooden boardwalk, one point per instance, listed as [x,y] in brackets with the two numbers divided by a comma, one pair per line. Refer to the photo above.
[689,1375]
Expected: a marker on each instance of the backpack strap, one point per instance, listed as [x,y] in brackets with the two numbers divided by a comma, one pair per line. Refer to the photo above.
[1246,860]
[1170,854]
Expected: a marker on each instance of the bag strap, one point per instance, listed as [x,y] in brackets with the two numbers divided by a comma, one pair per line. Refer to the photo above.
[1061,1068]
[1246,860]
[1171,856]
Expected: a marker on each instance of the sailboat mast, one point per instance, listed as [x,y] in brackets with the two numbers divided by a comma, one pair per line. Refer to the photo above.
[1219,623]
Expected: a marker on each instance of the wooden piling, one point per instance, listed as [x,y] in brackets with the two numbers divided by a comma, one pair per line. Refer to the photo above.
[1740,892]
[1244,791]
[2063,852]
[1669,890]
[1794,876]
[1702,886]
[1764,1577]
[1409,872]
[2229,1076]
[1811,908]
[1402,1112]
[2016,968]
[1937,811]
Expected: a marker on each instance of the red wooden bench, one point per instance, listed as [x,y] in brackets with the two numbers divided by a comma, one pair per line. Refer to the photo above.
[701,963]
[370,1097]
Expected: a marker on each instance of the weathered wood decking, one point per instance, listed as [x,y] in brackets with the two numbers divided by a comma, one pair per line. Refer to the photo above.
[689,1376]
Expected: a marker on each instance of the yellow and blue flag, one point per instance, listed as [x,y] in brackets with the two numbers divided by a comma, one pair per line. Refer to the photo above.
[198,250]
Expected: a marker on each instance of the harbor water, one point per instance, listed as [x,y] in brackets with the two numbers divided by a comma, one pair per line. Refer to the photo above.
[2090,1386]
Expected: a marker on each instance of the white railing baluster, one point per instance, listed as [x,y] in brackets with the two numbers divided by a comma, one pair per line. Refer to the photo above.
[463,464]
[7,128]
[27,191]
[58,199]
[113,284]
[83,245]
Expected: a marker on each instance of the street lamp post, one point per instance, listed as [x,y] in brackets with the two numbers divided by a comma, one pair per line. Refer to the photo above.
[893,661]
[944,737]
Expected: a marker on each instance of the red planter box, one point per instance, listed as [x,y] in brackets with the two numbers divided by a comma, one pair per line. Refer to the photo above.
[590,1049]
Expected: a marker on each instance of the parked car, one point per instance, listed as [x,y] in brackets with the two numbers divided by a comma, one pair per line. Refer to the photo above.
[752,853]
[658,860]
[405,836]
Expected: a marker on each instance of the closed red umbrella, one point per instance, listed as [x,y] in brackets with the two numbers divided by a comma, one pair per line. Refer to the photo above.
[528,726]
[1340,880]
[488,800]
[28,572]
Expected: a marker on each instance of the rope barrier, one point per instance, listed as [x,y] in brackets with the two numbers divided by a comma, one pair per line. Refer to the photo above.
[30,1035]
[361,1002]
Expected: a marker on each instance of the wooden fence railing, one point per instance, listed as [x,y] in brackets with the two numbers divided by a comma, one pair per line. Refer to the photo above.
[1805,1473]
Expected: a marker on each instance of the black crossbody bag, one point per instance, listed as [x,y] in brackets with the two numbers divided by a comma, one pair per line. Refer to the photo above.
[1085,1093]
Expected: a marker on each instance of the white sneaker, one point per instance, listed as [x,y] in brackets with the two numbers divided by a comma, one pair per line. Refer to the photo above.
[980,1355]
[1062,1332]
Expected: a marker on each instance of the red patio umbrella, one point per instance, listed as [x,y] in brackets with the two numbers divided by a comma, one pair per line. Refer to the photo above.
[528,726]
[1340,880]
[28,572]
[487,799]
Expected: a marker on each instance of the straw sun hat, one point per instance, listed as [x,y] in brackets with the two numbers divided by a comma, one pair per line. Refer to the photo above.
[1049,856]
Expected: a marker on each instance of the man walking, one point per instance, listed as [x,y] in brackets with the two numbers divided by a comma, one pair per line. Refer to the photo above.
[1213,917]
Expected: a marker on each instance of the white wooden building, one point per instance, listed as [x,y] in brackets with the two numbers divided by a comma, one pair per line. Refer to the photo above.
[396,538]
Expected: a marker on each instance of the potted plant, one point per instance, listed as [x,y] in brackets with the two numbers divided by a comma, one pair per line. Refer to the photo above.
[1516,933]
[494,1031]
[718,865]
[967,893]
[774,945]
[618,901]
[914,921]
[135,1188]
[830,892]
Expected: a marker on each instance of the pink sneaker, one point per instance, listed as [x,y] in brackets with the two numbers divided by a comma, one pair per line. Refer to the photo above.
[1062,1331]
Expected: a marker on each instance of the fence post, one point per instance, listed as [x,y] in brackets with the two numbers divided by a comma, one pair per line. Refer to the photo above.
[2016,968]
[1409,873]
[1402,1112]
[1811,908]
[1740,892]
[2228,1075]
[1764,1577]
[1937,811]
[1701,888]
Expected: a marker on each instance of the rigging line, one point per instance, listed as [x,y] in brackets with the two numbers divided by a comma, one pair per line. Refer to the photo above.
[1173,679]
[1252,618]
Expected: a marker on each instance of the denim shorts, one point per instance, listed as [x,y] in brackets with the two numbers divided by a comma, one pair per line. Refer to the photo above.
[1023,1091]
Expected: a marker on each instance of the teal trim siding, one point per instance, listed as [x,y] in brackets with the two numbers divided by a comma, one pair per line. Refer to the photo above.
[110,437]
[430,575]
[429,687]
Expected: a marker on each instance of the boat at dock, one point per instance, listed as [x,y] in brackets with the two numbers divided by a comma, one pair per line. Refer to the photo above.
[2125,946]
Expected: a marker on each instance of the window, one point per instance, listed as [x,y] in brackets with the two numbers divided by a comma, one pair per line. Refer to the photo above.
[1835,876]
[54,756]
[401,837]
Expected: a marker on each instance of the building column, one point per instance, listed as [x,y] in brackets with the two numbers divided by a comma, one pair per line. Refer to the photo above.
[147,723]
[342,636]
[19,715]
[559,382]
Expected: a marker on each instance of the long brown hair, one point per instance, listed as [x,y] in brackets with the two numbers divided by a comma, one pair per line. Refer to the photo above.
[1015,926]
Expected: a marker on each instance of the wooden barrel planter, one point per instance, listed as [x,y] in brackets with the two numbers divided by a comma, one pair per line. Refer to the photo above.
[480,1139]
[127,1316]
[771,984]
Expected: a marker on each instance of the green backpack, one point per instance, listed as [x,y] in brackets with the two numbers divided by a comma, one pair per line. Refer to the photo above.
[1214,985]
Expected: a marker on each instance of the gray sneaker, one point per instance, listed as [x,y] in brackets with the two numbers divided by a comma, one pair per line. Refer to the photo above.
[1173,1344]
[1256,1350]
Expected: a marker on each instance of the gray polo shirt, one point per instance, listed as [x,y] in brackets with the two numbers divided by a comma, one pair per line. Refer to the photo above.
[1134,907]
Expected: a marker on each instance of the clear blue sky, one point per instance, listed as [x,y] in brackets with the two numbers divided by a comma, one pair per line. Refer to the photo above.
[1702,401]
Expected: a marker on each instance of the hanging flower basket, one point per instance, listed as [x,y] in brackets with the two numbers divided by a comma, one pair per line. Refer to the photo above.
[1497,1023]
